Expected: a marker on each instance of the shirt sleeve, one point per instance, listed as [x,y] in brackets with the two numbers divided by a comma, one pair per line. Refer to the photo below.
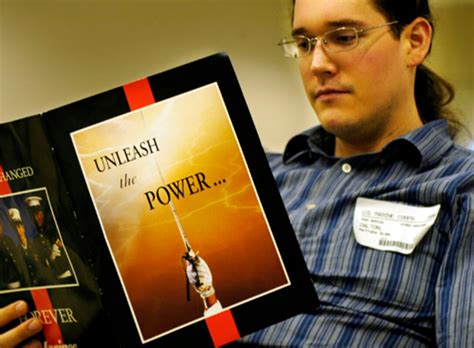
[455,284]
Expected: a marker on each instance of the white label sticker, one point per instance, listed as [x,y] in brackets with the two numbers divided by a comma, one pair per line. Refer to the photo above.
[391,226]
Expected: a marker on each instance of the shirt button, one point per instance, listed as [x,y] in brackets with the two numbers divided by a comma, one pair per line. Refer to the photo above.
[310,206]
[346,168]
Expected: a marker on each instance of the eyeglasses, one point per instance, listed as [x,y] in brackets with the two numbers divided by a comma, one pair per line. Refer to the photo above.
[340,39]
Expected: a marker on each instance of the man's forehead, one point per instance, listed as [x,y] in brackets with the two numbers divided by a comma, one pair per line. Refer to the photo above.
[331,24]
[326,4]
[323,14]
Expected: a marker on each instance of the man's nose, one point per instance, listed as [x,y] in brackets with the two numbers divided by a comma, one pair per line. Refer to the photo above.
[321,62]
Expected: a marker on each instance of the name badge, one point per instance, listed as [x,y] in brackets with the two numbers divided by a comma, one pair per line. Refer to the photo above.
[391,226]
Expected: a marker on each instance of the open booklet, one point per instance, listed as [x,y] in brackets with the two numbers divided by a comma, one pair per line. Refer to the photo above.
[148,215]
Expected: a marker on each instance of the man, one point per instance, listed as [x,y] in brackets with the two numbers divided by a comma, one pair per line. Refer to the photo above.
[380,197]
[9,277]
[37,213]
[48,237]
[380,140]
[35,256]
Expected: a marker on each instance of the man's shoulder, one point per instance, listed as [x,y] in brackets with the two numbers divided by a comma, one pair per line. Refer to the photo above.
[463,153]
[459,156]
[437,147]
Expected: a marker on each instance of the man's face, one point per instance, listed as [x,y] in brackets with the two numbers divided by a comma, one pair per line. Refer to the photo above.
[20,229]
[356,94]
[39,217]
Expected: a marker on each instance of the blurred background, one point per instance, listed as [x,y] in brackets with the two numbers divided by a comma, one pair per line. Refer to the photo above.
[54,52]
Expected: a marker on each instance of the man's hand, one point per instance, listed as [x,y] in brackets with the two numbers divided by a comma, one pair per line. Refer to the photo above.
[55,252]
[23,331]
[200,277]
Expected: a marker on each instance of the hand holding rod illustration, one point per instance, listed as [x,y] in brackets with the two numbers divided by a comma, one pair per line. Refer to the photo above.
[196,270]
[199,275]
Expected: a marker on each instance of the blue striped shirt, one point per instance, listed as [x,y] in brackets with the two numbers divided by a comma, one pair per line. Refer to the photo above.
[372,298]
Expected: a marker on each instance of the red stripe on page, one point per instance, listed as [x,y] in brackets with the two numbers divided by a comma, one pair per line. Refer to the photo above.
[138,94]
[52,332]
[4,187]
[222,328]
[43,304]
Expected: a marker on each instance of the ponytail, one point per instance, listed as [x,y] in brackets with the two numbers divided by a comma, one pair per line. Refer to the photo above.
[432,95]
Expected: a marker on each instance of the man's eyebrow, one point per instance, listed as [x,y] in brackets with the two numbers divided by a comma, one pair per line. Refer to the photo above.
[332,25]
[298,31]
[345,23]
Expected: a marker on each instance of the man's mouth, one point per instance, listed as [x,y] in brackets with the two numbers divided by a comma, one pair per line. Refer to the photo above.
[329,93]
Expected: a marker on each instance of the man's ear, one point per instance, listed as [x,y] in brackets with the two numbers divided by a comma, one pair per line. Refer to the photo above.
[417,36]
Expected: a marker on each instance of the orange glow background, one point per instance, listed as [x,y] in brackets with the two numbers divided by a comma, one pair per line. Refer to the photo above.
[224,223]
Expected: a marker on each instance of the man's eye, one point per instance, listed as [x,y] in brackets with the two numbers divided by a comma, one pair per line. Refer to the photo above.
[343,38]
[302,44]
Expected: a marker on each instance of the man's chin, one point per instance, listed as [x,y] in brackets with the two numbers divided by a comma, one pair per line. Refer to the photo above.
[336,125]
[342,130]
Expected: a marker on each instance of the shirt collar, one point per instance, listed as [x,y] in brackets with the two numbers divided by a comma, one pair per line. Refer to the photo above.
[423,146]
[432,141]
[304,146]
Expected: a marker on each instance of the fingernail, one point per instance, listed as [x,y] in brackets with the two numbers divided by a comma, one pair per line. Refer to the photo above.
[34,325]
[21,308]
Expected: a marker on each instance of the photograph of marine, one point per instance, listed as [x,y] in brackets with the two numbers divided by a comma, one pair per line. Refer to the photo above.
[32,253]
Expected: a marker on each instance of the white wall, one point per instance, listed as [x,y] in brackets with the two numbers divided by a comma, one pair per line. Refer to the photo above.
[453,55]
[53,52]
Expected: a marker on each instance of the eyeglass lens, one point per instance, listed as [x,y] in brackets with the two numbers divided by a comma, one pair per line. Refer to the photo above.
[334,41]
